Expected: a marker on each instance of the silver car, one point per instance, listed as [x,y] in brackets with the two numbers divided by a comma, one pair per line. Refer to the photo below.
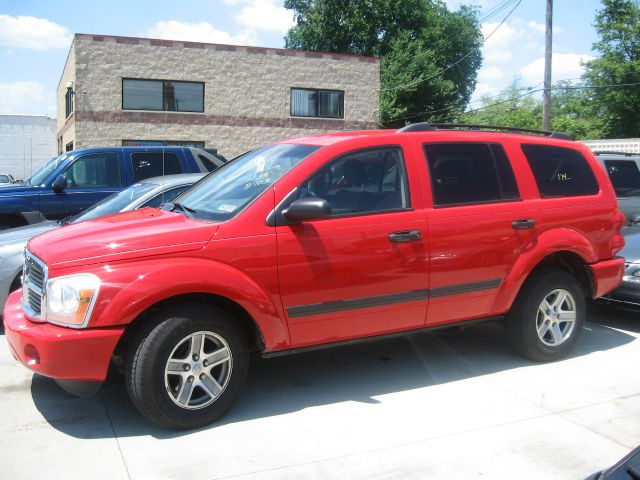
[628,293]
[148,193]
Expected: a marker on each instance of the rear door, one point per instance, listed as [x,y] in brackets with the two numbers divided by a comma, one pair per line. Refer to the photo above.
[363,270]
[478,226]
[155,163]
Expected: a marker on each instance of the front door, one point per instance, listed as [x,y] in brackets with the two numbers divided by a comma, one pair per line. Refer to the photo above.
[363,270]
[90,178]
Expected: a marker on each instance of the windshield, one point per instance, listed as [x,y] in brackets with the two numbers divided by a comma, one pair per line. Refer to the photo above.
[115,203]
[41,174]
[226,191]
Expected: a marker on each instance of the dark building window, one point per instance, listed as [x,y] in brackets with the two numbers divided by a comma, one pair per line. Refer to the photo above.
[68,103]
[162,95]
[162,143]
[466,173]
[317,103]
[68,147]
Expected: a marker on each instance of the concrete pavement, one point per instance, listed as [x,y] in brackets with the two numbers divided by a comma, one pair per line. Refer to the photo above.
[449,404]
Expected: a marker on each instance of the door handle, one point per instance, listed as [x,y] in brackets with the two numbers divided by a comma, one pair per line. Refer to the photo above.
[523,224]
[405,236]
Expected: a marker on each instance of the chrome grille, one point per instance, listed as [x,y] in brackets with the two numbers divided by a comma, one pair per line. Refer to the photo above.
[34,280]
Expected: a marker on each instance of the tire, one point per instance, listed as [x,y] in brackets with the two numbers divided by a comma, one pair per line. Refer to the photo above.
[535,329]
[195,388]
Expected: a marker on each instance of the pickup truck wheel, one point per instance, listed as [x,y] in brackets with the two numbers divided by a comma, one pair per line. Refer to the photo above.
[188,368]
[547,317]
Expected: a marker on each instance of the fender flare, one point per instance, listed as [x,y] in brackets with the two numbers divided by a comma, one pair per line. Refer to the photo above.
[540,247]
[129,289]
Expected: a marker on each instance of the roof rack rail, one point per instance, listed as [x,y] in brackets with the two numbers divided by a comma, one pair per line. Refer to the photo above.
[418,127]
[427,126]
[611,152]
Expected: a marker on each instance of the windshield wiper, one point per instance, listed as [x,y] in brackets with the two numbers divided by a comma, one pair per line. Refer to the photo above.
[188,212]
[66,220]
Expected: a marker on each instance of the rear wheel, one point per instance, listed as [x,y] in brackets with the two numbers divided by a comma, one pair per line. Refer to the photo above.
[187,369]
[547,317]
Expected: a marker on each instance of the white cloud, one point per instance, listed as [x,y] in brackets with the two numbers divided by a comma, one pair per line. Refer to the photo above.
[32,32]
[264,15]
[198,32]
[511,37]
[563,66]
[27,97]
[490,73]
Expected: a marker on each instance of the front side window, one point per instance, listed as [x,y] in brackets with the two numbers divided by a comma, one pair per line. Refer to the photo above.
[625,177]
[95,170]
[228,190]
[154,164]
[560,172]
[367,181]
[466,173]
[162,95]
[317,103]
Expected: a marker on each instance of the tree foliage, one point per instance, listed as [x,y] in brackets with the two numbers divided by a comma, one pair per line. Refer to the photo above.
[517,106]
[618,26]
[429,56]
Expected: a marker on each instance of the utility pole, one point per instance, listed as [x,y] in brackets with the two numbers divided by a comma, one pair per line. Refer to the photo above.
[546,95]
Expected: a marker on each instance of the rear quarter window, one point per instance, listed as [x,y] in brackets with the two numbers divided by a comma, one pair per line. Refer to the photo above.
[625,177]
[560,172]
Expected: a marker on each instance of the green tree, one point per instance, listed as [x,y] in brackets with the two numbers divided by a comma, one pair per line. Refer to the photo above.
[429,56]
[618,26]
[517,106]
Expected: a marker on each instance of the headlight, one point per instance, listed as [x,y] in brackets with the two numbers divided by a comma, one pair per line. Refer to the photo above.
[70,299]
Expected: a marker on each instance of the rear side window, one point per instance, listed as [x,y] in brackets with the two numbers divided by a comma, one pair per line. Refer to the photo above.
[463,173]
[625,177]
[560,172]
[154,164]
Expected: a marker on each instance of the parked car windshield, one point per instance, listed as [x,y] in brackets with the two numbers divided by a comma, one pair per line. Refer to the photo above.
[226,191]
[41,174]
[114,203]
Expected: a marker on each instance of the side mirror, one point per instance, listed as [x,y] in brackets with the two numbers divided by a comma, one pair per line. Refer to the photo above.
[635,220]
[59,184]
[307,209]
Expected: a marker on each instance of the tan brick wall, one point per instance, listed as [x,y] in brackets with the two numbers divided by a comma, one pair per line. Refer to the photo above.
[64,126]
[249,84]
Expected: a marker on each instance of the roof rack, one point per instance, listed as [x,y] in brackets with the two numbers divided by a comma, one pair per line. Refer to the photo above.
[611,152]
[427,126]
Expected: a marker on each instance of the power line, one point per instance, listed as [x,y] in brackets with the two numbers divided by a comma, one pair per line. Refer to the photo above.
[517,97]
[464,57]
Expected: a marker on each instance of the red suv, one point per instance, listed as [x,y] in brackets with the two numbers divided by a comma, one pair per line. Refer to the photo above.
[315,241]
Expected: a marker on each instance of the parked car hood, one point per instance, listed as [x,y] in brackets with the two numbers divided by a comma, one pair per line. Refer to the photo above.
[137,233]
[631,250]
[23,234]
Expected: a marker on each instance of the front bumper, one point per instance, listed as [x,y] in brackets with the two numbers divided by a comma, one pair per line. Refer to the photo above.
[58,352]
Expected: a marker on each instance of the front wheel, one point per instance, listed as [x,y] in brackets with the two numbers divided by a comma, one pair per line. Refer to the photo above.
[547,317]
[188,368]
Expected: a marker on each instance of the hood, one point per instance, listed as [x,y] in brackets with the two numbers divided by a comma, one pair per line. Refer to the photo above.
[23,234]
[138,233]
[631,250]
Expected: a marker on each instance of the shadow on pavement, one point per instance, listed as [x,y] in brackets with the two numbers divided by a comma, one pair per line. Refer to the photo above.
[357,373]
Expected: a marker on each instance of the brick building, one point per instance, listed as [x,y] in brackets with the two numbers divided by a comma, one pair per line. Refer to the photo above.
[137,91]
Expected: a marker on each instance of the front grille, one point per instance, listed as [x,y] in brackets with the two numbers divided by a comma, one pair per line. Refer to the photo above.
[34,280]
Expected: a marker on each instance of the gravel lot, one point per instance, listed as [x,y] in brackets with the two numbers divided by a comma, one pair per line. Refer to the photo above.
[449,404]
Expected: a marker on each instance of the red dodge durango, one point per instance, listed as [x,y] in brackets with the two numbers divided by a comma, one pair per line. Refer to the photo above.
[318,241]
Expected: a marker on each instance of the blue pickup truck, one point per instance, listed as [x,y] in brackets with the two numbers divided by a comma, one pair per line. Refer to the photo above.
[73,181]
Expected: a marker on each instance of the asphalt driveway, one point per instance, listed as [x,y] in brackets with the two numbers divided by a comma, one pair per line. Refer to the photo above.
[449,404]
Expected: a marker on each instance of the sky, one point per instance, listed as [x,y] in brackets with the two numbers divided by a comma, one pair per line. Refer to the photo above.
[35,36]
